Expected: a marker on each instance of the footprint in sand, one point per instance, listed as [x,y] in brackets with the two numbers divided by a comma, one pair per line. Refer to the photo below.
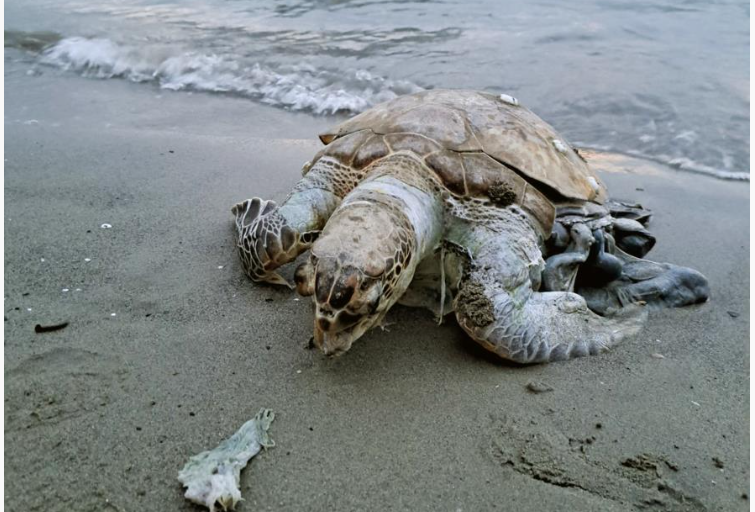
[60,384]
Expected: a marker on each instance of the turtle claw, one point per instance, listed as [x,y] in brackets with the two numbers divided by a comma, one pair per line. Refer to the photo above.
[276,278]
[384,325]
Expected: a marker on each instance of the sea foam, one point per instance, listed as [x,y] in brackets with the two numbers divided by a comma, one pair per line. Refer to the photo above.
[298,87]
[295,87]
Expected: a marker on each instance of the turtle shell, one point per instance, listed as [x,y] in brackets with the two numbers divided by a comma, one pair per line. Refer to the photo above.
[476,122]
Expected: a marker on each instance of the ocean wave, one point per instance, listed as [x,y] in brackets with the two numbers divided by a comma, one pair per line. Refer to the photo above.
[295,87]
[681,163]
[687,164]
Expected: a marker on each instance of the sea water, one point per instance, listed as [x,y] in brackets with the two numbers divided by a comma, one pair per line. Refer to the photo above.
[662,79]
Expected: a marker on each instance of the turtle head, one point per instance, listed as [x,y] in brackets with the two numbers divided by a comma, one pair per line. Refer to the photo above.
[348,301]
[266,240]
[362,263]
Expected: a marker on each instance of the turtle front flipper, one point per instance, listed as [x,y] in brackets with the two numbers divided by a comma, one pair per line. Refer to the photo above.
[266,239]
[269,236]
[498,303]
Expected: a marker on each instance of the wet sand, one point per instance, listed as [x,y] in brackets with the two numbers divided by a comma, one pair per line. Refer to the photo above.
[170,348]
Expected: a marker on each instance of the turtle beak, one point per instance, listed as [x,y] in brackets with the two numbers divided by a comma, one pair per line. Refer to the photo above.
[333,344]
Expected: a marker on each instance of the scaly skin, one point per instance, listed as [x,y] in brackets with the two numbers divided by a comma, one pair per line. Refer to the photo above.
[561,269]
[268,236]
[385,212]
[498,305]
[368,253]
[378,231]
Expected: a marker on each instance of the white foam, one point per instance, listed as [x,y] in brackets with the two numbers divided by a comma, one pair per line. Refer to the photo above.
[688,164]
[684,164]
[299,87]
[294,87]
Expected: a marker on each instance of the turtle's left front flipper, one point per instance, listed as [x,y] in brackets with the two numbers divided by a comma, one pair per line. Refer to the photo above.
[499,306]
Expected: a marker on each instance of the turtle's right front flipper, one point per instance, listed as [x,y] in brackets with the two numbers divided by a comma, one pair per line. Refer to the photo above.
[269,236]
[267,239]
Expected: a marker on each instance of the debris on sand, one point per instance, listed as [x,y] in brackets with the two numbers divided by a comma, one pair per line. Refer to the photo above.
[718,463]
[538,387]
[50,328]
[106,226]
[648,463]
[212,477]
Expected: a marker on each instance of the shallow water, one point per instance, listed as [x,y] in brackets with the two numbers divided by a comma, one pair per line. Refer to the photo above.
[663,79]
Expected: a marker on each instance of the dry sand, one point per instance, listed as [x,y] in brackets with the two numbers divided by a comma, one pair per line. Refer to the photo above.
[102,414]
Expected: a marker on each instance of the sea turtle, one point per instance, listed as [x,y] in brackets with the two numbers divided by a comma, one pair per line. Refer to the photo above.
[468,202]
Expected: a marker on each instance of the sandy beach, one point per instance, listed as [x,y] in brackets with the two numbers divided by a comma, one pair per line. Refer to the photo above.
[170,348]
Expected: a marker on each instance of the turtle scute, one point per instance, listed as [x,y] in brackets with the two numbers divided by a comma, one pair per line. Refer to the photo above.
[465,121]
[372,149]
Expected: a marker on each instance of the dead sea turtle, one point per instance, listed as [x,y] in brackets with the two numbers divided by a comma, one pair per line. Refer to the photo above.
[468,202]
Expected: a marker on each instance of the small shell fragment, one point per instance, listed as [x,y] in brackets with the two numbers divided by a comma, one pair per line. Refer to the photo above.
[87,259]
[65,290]
[509,99]
[538,387]
[695,403]
[560,146]
[106,226]
[220,267]
[658,356]
[112,314]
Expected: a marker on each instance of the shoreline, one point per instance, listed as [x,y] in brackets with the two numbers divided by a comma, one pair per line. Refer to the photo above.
[107,410]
